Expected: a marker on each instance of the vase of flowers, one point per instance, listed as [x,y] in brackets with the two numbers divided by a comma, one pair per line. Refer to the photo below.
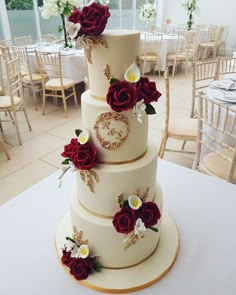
[148,13]
[62,8]
[191,7]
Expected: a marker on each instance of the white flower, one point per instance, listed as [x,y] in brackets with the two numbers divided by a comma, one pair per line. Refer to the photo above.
[58,7]
[139,228]
[83,137]
[69,246]
[132,74]
[148,12]
[134,202]
[72,29]
[139,110]
[65,167]
[83,251]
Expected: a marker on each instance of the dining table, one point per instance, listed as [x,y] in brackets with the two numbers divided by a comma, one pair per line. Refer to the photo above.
[202,207]
[73,60]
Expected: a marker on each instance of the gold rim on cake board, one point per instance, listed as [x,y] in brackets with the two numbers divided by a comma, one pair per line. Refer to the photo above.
[167,249]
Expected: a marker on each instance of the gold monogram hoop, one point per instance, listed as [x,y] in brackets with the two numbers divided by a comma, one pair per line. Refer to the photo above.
[116,134]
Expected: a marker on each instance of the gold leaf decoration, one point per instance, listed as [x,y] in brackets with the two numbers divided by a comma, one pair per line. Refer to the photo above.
[120,200]
[90,43]
[77,236]
[90,177]
[132,240]
[106,72]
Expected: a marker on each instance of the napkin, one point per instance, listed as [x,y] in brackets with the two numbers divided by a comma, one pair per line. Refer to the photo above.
[224,84]
[230,96]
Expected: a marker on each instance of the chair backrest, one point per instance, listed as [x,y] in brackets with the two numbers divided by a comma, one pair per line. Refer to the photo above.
[14,78]
[23,41]
[225,34]
[21,53]
[49,63]
[192,41]
[167,101]
[6,53]
[216,128]
[226,66]
[6,43]
[203,74]
[47,38]
[2,90]
[152,44]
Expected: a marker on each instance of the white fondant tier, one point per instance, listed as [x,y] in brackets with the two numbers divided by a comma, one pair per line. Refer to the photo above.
[114,180]
[123,48]
[119,137]
[107,243]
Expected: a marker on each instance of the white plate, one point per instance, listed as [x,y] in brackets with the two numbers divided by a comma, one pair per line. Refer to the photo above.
[224,84]
[226,97]
[233,77]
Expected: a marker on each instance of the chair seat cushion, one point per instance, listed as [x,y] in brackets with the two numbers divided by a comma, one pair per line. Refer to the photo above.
[54,84]
[5,101]
[35,77]
[184,128]
[217,165]
[176,56]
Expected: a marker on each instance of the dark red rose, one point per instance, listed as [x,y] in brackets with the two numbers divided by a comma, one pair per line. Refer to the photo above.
[81,268]
[83,156]
[149,213]
[124,220]
[93,19]
[66,258]
[147,91]
[121,96]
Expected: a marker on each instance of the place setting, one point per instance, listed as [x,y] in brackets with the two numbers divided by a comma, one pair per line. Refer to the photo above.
[224,90]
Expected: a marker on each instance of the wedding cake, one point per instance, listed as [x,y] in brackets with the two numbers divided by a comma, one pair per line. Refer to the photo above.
[115,221]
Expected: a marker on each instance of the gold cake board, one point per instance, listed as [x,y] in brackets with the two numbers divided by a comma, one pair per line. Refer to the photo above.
[136,277]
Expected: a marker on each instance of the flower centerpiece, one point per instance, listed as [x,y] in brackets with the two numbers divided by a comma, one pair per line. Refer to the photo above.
[135,217]
[62,8]
[76,256]
[148,13]
[191,7]
[82,155]
[134,93]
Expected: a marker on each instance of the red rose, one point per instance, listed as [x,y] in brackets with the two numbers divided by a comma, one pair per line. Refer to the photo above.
[124,220]
[66,258]
[147,91]
[81,268]
[83,156]
[149,213]
[121,96]
[93,19]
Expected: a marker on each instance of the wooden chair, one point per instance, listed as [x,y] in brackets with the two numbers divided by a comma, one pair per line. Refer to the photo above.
[6,43]
[23,41]
[184,129]
[212,42]
[216,129]
[2,88]
[13,102]
[224,38]
[57,86]
[226,67]
[3,147]
[30,79]
[151,51]
[203,74]
[6,53]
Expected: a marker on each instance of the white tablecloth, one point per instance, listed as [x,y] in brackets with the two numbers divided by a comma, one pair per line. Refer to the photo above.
[202,207]
[73,61]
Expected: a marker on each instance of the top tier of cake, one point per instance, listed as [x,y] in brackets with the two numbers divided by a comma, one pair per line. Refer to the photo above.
[120,49]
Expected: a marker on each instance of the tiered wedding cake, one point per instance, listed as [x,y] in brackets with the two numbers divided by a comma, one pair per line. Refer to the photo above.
[116,203]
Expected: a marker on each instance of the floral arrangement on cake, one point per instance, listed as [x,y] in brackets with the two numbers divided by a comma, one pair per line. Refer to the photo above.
[76,256]
[147,12]
[135,217]
[82,155]
[62,8]
[133,93]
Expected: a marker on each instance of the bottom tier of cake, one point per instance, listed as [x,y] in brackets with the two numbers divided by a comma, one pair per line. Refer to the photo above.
[106,242]
[133,278]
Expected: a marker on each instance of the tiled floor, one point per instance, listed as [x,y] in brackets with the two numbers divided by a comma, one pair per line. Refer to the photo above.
[39,155]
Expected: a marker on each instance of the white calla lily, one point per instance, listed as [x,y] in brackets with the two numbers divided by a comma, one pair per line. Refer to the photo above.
[83,251]
[72,29]
[132,74]
[139,228]
[134,202]
[83,137]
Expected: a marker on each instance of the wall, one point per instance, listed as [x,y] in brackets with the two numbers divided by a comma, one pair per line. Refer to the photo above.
[211,12]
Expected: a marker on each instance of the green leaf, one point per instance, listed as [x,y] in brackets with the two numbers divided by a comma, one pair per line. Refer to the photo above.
[66,161]
[154,229]
[150,110]
[125,203]
[60,29]
[114,80]
[78,131]
[97,266]
[70,239]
